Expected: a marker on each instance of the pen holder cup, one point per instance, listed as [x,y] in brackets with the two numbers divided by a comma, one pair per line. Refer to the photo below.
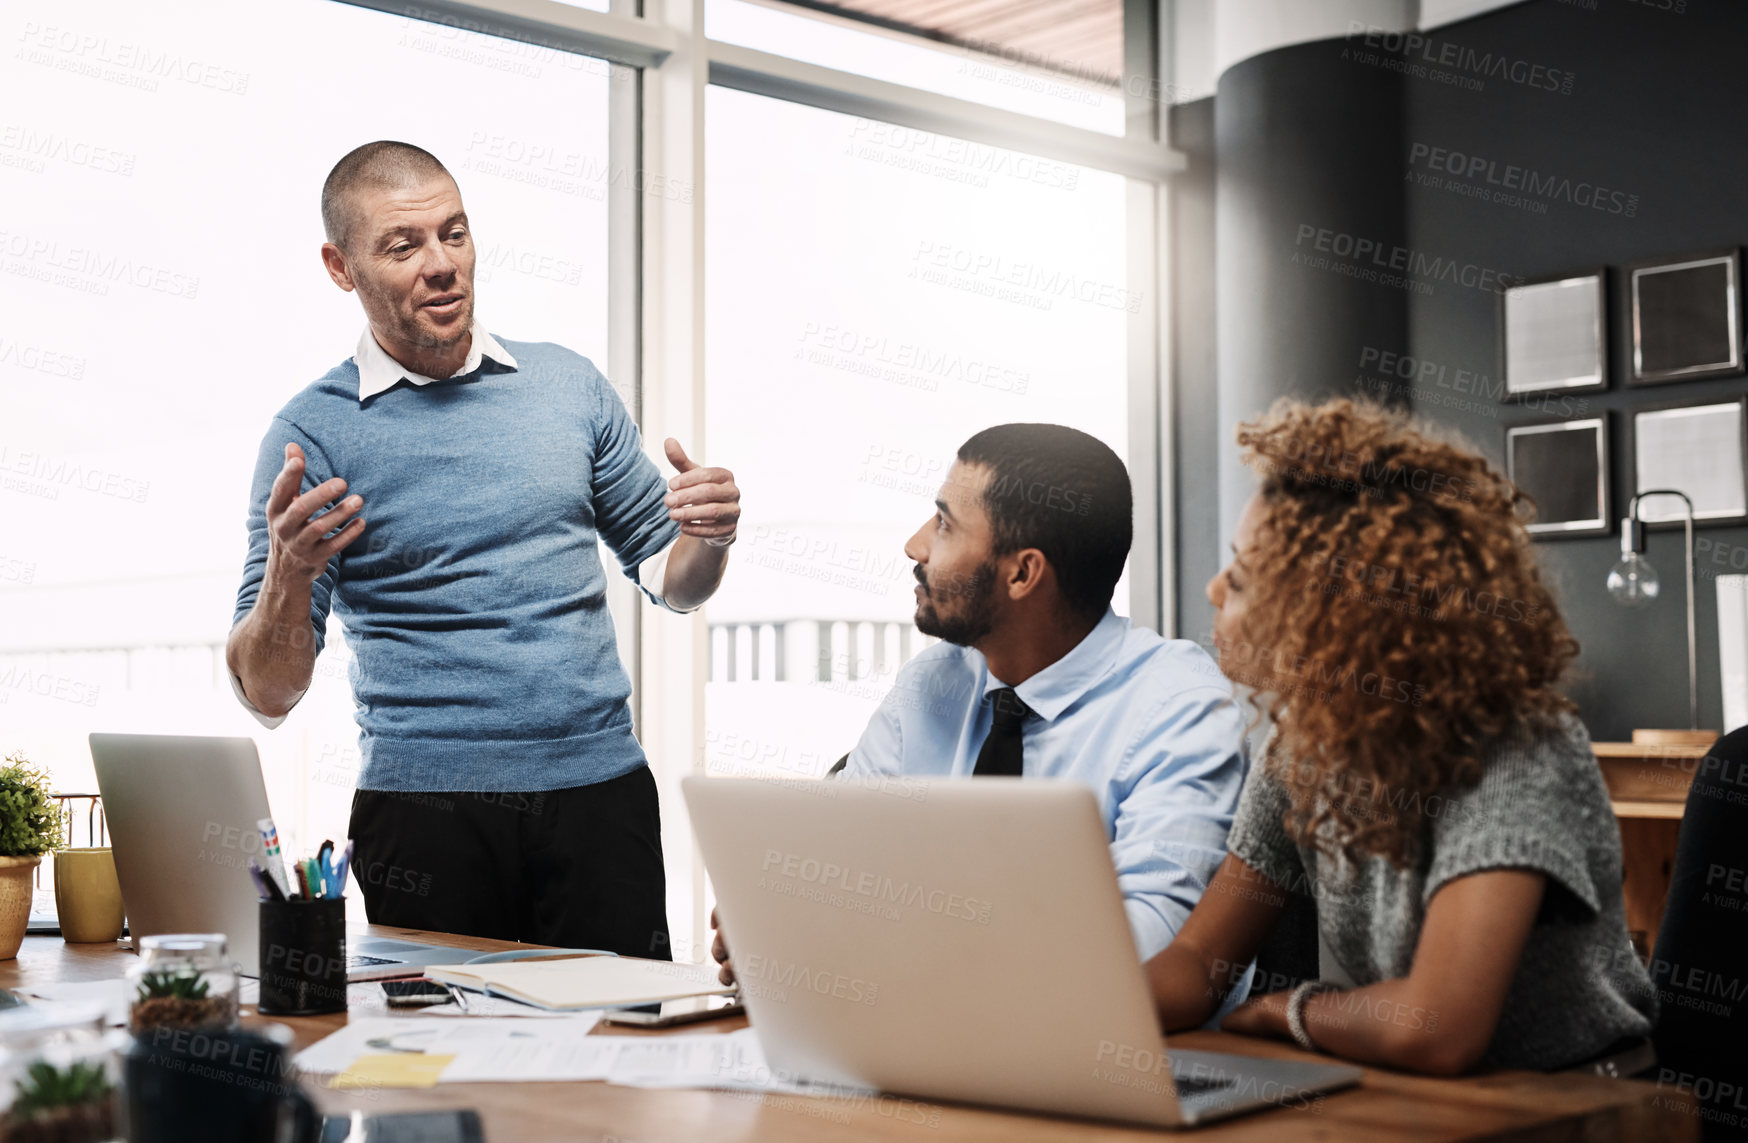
[303,957]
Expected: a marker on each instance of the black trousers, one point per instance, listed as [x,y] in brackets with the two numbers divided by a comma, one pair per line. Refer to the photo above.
[577,868]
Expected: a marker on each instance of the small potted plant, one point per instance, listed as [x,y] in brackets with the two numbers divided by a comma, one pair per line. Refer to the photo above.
[30,826]
[72,1104]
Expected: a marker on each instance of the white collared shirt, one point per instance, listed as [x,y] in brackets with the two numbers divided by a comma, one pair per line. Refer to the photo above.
[378,373]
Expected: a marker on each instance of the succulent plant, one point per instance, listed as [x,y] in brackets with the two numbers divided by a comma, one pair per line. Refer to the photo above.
[181,985]
[48,1087]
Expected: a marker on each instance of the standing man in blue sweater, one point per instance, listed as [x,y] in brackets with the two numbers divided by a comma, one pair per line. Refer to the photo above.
[444,490]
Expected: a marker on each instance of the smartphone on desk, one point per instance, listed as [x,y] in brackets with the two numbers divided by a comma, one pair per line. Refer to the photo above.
[415,993]
[671,1012]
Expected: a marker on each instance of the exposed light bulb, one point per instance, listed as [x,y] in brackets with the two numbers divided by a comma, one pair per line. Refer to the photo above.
[1633,581]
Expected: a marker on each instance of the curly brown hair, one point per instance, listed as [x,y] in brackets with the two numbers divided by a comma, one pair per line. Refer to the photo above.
[1392,570]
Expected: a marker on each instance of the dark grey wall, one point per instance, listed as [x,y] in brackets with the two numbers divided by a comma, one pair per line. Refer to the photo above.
[1195,404]
[1658,109]
[1633,119]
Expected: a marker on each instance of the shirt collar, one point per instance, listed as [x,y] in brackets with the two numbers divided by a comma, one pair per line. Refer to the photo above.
[378,372]
[1058,686]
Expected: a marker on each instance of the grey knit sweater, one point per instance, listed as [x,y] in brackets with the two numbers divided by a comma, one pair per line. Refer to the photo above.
[1541,804]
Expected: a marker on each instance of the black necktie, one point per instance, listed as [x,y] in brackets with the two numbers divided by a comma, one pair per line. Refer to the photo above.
[1000,756]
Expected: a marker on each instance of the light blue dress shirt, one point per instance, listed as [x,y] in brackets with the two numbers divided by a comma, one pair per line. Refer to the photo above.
[1148,723]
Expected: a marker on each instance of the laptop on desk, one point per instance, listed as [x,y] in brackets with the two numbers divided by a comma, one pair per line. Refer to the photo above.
[182,816]
[963,941]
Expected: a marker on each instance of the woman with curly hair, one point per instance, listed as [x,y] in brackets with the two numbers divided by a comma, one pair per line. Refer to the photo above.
[1425,781]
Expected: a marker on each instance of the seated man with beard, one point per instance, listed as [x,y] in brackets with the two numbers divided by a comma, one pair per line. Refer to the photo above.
[1037,677]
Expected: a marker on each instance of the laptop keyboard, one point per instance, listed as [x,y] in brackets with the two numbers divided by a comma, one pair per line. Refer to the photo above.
[1197,1085]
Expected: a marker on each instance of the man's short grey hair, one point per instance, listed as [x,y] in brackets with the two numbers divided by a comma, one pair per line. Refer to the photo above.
[385,163]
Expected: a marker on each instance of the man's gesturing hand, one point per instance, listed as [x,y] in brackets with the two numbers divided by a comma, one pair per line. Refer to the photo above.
[705,501]
[719,950]
[297,552]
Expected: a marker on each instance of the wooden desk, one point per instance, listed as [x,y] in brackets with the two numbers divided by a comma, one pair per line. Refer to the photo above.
[1647,786]
[1388,1106]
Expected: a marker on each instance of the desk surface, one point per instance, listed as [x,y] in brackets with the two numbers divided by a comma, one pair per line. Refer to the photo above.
[1387,1106]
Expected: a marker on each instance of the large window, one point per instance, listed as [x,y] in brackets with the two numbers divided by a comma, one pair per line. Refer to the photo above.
[875,296]
[829,241]
[163,296]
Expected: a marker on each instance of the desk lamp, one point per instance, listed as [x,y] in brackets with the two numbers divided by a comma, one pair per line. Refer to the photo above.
[1633,582]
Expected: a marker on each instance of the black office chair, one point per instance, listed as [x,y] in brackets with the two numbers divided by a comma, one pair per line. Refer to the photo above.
[1700,964]
[1288,955]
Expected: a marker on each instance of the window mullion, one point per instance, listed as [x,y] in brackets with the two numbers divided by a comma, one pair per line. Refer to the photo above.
[675,650]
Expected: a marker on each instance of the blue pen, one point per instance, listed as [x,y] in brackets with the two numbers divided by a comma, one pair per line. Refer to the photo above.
[345,864]
[324,856]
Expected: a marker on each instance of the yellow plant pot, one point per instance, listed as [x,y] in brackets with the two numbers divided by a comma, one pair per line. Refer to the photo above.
[87,895]
[15,892]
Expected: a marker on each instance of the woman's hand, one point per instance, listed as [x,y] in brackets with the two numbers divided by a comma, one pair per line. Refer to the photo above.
[719,951]
[1260,1016]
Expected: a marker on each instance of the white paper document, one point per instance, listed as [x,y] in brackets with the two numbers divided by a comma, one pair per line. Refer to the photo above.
[734,1061]
[490,1050]
[485,1048]
[336,1052]
[545,1051]
[109,995]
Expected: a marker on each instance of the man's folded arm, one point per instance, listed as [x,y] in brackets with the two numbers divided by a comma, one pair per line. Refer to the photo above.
[1178,789]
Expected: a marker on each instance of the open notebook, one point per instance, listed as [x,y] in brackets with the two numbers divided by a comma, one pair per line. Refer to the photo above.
[585,982]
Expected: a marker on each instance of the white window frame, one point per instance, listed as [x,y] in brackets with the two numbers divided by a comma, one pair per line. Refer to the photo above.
[656,271]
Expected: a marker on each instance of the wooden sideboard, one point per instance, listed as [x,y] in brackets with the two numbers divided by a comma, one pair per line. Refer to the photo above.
[1647,786]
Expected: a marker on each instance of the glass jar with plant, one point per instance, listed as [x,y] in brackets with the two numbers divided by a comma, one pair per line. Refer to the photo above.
[182,980]
[60,1072]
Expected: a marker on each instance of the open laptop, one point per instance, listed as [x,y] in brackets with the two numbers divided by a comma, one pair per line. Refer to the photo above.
[182,816]
[956,940]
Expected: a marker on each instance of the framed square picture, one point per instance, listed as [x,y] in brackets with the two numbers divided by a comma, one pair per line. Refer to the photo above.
[1686,318]
[1701,450]
[1553,336]
[1563,466]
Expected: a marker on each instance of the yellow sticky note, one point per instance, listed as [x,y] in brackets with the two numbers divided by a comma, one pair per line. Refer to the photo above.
[393,1069]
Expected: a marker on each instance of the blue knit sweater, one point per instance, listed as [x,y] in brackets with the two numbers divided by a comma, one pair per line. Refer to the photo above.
[475,601]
